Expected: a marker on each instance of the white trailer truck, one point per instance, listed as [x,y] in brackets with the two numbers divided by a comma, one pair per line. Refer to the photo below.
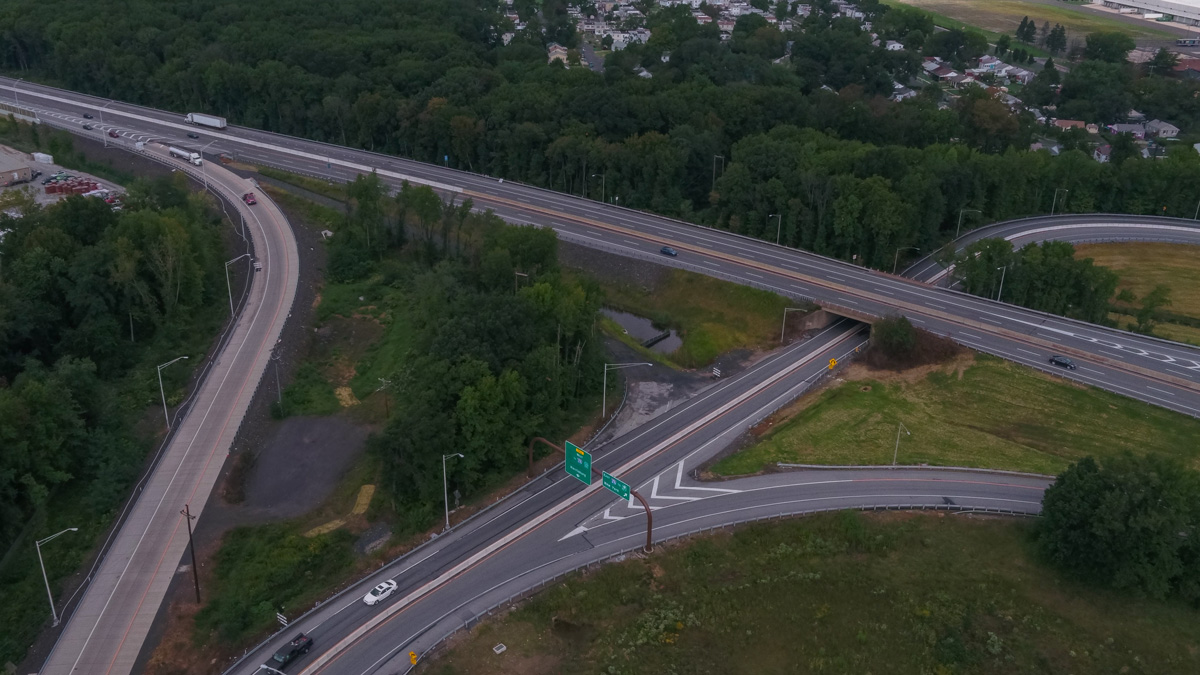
[185,154]
[211,121]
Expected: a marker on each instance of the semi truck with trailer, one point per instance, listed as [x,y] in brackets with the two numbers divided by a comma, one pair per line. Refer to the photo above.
[185,154]
[210,121]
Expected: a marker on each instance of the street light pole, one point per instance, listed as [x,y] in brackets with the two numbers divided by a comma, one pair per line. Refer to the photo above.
[958,231]
[162,393]
[604,387]
[778,225]
[1002,271]
[204,164]
[896,452]
[15,98]
[896,259]
[49,595]
[783,328]
[602,181]
[445,488]
[1197,211]
[227,286]
[714,173]
[516,278]
[1055,202]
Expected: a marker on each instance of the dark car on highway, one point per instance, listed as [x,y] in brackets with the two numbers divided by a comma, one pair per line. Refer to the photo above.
[86,116]
[87,127]
[667,250]
[1062,362]
[114,134]
[192,135]
[299,645]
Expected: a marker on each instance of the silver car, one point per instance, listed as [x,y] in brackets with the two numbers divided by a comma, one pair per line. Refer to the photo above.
[380,592]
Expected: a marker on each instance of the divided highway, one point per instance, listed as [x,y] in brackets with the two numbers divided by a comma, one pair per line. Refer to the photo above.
[104,634]
[555,524]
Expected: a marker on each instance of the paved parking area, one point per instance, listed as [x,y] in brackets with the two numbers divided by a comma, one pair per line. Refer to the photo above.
[47,170]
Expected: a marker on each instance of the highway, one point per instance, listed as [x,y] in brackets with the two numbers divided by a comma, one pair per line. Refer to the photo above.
[1156,371]
[105,632]
[556,524]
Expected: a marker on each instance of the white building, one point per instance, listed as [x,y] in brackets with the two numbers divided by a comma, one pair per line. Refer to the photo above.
[1182,11]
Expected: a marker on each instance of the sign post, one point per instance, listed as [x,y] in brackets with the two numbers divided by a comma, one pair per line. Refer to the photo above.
[832,363]
[615,486]
[578,463]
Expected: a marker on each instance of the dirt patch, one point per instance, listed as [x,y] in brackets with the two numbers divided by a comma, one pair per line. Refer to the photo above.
[610,267]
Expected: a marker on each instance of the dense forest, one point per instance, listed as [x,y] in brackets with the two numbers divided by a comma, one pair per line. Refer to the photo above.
[503,346]
[724,132]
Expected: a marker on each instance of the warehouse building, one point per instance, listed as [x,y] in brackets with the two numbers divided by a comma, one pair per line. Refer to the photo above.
[1180,11]
[13,170]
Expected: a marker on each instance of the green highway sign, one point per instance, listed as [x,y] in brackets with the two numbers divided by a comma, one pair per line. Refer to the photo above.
[616,486]
[578,463]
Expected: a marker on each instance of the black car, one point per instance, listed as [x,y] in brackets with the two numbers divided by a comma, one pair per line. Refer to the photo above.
[667,250]
[299,645]
[88,127]
[87,116]
[1062,362]
[192,135]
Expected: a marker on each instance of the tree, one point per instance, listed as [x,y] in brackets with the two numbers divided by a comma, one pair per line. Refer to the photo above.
[1056,41]
[1153,301]
[895,337]
[1109,46]
[1002,44]
[1162,62]
[1132,524]
[1044,33]
[1022,31]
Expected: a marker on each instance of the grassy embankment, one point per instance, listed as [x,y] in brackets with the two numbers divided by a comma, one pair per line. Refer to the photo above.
[836,593]
[1144,265]
[996,17]
[711,316]
[978,412]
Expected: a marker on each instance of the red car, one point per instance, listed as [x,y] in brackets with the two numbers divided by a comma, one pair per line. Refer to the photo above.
[114,134]
[249,198]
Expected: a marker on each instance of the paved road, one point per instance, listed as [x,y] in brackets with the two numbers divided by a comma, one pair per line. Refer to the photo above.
[1152,370]
[106,631]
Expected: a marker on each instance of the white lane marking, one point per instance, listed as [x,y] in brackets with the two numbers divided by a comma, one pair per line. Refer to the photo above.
[654,493]
[1028,352]
[632,243]
[752,274]
[880,290]
[991,320]
[933,304]
[968,335]
[710,263]
[915,319]
[1161,391]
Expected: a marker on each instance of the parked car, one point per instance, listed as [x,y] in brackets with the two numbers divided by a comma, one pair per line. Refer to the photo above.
[113,133]
[193,135]
[1062,362]
[87,116]
[667,250]
[249,198]
[299,645]
[380,592]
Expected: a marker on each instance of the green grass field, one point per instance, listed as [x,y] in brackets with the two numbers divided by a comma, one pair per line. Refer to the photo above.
[1144,265]
[993,415]
[711,316]
[1003,16]
[835,593]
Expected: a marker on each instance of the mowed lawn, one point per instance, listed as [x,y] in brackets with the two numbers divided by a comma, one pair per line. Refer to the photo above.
[1144,265]
[710,315]
[1003,16]
[987,413]
[835,593]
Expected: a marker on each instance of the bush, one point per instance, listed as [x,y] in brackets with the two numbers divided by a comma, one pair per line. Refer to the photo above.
[897,344]
[1133,524]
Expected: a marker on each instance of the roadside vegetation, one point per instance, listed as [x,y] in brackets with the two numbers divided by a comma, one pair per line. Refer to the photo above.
[1144,270]
[845,592]
[977,411]
[60,144]
[91,300]
[711,316]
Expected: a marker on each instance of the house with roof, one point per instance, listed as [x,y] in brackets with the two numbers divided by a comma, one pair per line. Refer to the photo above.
[1138,131]
[1161,129]
[893,46]
[1102,154]
[1069,124]
[901,92]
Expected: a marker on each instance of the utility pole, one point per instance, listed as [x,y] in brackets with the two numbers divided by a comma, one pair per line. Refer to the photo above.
[162,393]
[38,545]
[1002,271]
[778,225]
[445,493]
[187,515]
[896,452]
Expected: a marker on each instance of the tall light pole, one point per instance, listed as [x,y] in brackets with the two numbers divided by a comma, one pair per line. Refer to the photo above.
[714,175]
[15,98]
[960,215]
[896,259]
[602,180]
[204,164]
[1197,215]
[49,595]
[445,489]
[227,286]
[101,111]
[516,277]
[778,224]
[783,328]
[160,389]
[896,452]
[278,389]
[1055,202]
[604,394]
[1002,271]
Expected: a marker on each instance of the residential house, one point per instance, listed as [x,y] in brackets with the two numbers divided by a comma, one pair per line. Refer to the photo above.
[1161,129]
[1093,129]
[1069,124]
[900,92]
[943,73]
[1015,74]
[1135,116]
[1189,68]
[1138,131]
[556,52]
[1048,145]
[1102,154]
[1154,151]
[893,46]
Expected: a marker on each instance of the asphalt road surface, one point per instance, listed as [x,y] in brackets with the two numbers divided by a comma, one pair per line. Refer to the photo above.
[104,634]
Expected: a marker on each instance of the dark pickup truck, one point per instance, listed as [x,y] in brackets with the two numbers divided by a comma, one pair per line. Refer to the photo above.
[299,645]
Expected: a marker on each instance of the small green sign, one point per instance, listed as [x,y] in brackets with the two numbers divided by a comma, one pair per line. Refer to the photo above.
[615,485]
[578,463]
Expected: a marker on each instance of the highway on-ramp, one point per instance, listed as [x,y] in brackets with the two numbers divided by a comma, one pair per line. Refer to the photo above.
[104,634]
